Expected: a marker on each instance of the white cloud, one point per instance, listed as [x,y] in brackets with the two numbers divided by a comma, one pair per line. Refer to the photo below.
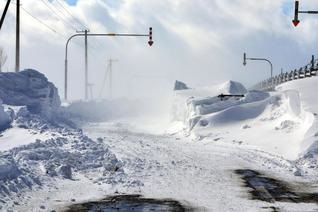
[198,41]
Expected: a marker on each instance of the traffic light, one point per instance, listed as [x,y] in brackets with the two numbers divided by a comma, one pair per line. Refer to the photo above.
[296,20]
[244,59]
[150,42]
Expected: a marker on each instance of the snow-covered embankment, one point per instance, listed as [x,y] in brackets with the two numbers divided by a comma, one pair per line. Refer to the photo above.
[274,122]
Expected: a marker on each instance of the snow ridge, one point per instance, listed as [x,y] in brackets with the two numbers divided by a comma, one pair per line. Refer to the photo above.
[68,153]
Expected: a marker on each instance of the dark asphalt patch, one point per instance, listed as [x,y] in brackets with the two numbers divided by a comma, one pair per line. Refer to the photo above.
[270,190]
[130,203]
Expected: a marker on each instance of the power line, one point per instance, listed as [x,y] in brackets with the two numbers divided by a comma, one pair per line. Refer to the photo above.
[41,22]
[57,15]
[65,19]
[70,14]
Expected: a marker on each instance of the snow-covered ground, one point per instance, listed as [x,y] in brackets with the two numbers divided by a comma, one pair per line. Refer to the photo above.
[50,162]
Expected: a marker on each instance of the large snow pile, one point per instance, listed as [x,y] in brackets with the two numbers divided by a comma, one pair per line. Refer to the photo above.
[268,121]
[178,85]
[29,88]
[5,118]
[190,104]
[307,91]
[65,154]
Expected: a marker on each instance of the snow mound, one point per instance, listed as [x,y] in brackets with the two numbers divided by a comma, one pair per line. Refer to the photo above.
[228,87]
[254,105]
[307,89]
[29,88]
[276,118]
[5,118]
[189,105]
[232,87]
[64,155]
[178,85]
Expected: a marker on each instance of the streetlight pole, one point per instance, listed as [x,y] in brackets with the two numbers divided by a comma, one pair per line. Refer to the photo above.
[150,42]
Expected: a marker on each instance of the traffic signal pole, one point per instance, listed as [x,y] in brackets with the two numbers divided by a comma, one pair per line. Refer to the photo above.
[261,59]
[150,42]
[297,11]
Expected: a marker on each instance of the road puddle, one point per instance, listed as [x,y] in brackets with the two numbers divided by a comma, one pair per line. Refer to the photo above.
[270,190]
[129,203]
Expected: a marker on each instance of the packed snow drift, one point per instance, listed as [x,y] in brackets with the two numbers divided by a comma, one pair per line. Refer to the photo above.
[269,121]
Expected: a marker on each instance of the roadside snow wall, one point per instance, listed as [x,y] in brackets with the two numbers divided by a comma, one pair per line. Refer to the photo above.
[29,88]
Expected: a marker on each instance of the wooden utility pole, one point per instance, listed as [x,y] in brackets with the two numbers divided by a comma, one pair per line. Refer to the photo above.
[108,73]
[90,86]
[17,41]
[86,67]
[110,62]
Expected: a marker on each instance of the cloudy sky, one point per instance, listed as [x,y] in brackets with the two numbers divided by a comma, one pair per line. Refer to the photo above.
[200,42]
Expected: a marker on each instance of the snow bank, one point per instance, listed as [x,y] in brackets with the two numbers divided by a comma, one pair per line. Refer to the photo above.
[307,90]
[190,104]
[65,154]
[178,85]
[29,88]
[269,121]
[255,106]
[228,87]
[5,118]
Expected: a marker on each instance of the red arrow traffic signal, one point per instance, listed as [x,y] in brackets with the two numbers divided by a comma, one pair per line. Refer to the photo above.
[296,20]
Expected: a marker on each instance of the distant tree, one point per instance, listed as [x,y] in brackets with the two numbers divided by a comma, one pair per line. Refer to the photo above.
[3,58]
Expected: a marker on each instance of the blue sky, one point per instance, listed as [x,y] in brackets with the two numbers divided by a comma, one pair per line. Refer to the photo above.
[71,2]
[288,8]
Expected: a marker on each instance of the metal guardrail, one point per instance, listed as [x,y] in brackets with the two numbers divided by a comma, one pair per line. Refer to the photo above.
[309,70]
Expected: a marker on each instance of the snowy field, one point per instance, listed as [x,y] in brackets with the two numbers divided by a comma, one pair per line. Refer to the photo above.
[188,150]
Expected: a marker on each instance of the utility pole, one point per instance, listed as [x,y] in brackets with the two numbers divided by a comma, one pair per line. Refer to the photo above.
[17,41]
[86,67]
[110,62]
[86,61]
[108,73]
[90,86]
[150,42]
